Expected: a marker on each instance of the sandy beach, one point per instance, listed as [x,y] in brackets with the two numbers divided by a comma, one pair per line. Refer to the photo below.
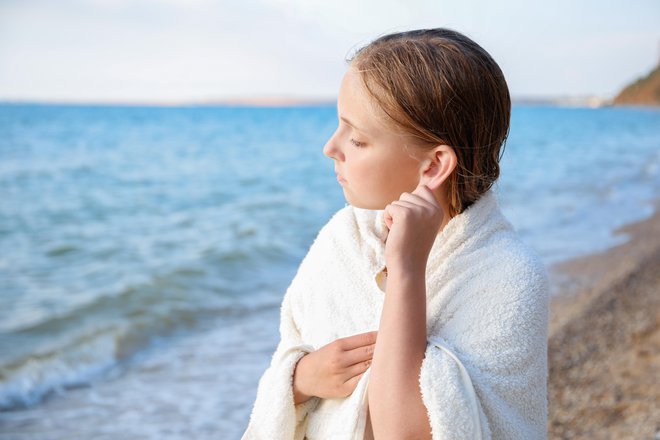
[604,346]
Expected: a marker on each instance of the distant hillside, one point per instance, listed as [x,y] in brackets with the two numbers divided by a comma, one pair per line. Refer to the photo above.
[644,91]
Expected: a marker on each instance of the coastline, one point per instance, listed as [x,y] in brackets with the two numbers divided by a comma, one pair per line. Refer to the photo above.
[604,339]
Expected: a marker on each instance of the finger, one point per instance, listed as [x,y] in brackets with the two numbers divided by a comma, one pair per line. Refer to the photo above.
[416,198]
[360,354]
[388,220]
[393,210]
[419,203]
[350,384]
[359,340]
[406,204]
[426,193]
[390,212]
[394,207]
[359,368]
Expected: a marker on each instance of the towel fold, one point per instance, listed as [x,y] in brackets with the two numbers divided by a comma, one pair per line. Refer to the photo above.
[484,374]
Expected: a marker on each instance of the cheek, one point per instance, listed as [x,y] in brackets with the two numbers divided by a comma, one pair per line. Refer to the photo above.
[379,178]
[396,178]
[367,171]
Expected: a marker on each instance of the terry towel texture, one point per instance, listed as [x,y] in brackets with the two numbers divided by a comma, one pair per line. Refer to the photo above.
[487,316]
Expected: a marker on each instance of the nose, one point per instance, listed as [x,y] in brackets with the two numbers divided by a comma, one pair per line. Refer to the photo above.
[330,148]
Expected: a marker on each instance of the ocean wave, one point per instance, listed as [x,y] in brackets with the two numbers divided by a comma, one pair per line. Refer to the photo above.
[73,348]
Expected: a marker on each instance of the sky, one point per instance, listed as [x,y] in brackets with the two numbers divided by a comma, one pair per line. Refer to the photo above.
[178,51]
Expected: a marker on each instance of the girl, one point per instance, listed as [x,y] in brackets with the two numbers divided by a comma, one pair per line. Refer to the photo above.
[417,313]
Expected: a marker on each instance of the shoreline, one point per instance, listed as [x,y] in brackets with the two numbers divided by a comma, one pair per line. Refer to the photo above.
[578,281]
[604,339]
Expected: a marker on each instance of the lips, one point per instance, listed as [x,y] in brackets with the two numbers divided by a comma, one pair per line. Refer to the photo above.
[339,178]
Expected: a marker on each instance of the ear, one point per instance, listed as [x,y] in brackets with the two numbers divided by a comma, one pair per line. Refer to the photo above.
[438,166]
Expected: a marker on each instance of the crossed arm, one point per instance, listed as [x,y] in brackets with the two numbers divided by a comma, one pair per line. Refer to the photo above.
[395,402]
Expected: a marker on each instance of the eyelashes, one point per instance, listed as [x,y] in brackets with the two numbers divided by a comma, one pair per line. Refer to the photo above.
[357,143]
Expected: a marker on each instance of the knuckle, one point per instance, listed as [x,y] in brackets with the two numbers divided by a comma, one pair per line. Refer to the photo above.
[334,363]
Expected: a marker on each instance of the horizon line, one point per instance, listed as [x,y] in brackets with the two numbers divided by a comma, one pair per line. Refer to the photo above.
[281,101]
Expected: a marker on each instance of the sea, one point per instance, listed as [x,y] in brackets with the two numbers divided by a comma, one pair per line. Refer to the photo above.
[145,250]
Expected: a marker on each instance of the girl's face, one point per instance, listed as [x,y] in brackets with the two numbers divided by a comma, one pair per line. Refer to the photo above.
[371,161]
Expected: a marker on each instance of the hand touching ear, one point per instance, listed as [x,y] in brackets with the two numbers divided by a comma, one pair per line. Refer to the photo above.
[413,221]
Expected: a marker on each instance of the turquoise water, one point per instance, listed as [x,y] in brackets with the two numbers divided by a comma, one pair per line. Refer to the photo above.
[130,234]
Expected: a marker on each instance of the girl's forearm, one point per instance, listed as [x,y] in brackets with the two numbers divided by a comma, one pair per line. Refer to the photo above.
[395,401]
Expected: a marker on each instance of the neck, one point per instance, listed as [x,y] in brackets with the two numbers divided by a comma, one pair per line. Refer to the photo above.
[445,220]
[444,204]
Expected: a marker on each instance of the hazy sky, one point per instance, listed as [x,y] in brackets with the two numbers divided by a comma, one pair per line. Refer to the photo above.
[192,50]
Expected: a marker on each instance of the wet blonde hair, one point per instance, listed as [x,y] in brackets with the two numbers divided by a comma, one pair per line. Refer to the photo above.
[441,87]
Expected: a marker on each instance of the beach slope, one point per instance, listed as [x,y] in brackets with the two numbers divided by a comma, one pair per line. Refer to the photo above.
[604,347]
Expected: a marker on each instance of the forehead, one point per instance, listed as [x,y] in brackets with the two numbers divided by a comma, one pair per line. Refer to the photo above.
[355,104]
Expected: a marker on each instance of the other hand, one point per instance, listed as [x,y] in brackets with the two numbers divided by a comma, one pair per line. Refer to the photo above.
[334,370]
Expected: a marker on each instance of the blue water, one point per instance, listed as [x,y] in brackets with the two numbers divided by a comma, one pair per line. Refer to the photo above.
[137,242]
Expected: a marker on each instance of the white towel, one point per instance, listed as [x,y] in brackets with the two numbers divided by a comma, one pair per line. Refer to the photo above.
[484,374]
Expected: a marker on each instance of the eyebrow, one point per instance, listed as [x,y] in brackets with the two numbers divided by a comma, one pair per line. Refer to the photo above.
[350,123]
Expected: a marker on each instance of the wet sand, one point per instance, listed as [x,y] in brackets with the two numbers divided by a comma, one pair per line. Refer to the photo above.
[604,346]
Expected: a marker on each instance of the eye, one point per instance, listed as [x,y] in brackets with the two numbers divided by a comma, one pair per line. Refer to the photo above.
[357,143]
